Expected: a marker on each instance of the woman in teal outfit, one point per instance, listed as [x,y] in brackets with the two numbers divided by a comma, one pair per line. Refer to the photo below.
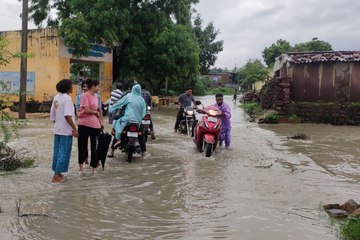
[135,110]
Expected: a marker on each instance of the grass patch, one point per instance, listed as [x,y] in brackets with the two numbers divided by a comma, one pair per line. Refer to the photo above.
[351,229]
[272,117]
[10,173]
[293,118]
[252,107]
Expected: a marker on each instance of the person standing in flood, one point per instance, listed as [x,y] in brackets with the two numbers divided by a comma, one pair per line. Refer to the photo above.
[90,123]
[62,112]
[235,95]
[225,135]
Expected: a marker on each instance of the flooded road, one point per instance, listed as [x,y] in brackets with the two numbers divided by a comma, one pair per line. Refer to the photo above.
[265,187]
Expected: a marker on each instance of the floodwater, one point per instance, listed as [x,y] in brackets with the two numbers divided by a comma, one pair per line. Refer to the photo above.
[265,187]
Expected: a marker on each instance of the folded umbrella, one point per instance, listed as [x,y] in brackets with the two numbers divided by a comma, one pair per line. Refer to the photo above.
[103,147]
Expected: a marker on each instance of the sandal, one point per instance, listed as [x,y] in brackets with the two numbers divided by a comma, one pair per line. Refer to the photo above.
[117,144]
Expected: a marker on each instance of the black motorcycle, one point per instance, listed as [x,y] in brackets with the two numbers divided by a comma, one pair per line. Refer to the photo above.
[187,124]
[132,140]
[145,123]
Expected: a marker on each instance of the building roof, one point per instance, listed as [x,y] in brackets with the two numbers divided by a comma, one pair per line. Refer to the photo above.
[329,56]
[315,57]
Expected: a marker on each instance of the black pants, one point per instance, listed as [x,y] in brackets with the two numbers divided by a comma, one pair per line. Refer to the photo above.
[84,134]
[180,117]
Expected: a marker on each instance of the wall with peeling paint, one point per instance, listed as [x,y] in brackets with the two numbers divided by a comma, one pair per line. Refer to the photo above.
[51,62]
[325,82]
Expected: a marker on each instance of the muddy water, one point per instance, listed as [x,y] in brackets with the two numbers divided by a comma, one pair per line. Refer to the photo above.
[265,187]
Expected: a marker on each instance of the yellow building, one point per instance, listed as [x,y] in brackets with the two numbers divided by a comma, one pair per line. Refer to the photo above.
[50,62]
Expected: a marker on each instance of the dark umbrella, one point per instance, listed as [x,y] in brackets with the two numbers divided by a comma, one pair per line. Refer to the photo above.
[103,147]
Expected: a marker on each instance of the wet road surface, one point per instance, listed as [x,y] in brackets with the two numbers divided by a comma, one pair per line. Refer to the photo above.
[265,187]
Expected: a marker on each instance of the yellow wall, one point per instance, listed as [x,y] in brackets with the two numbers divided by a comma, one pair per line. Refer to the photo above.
[43,45]
[51,63]
[106,82]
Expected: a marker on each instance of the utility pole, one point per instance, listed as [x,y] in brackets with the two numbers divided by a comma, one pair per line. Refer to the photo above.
[23,65]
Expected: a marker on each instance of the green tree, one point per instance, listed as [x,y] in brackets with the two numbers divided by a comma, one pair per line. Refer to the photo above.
[251,72]
[217,70]
[276,49]
[152,39]
[314,45]
[282,46]
[5,55]
[209,48]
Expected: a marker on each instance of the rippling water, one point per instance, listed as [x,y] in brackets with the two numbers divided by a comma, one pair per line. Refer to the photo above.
[266,187]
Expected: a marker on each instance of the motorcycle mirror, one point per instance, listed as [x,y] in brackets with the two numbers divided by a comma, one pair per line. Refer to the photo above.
[197,102]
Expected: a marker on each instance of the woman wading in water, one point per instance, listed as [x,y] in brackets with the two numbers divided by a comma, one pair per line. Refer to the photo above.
[63,114]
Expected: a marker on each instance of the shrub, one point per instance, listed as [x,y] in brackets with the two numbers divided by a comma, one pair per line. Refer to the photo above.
[223,90]
[272,117]
[10,160]
[293,118]
[252,107]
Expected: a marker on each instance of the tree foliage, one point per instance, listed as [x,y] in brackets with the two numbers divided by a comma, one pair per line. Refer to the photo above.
[153,39]
[276,49]
[251,72]
[209,48]
[282,46]
[314,45]
[5,55]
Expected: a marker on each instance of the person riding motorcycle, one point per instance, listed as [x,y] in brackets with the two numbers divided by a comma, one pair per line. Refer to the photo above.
[184,101]
[135,110]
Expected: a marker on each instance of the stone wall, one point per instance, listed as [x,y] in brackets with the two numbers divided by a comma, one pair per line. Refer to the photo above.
[332,113]
[278,93]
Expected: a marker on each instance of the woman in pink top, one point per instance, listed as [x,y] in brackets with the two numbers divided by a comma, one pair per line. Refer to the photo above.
[89,125]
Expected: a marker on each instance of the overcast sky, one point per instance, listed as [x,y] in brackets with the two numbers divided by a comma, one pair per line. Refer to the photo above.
[248,26]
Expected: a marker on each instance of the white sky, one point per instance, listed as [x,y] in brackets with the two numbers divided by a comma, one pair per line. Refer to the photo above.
[248,26]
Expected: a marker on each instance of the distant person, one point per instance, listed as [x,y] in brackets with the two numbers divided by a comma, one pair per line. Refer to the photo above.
[90,123]
[184,101]
[148,101]
[62,112]
[225,135]
[235,95]
[79,79]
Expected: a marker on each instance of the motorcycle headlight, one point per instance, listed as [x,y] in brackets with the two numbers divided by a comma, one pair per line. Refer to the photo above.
[190,113]
[212,112]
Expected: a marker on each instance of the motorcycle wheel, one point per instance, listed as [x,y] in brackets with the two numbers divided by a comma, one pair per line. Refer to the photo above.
[208,149]
[189,128]
[130,154]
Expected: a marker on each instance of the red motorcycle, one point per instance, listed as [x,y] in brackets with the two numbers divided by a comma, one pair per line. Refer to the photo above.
[208,129]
